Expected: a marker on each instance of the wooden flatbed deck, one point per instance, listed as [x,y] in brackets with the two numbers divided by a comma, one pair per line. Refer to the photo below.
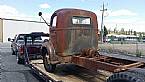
[68,73]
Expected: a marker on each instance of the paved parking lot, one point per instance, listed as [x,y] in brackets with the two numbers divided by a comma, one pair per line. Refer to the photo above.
[11,71]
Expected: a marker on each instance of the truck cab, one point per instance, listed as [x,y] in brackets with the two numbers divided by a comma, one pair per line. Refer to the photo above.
[71,32]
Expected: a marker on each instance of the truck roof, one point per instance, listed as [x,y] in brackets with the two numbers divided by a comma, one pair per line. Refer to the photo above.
[67,13]
[68,10]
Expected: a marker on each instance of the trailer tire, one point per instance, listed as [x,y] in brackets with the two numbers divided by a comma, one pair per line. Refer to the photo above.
[47,65]
[138,71]
[126,77]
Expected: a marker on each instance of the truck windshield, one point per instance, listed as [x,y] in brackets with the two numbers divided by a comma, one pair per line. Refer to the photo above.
[81,20]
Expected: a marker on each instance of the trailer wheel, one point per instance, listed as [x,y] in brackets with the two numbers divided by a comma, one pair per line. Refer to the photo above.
[47,63]
[126,77]
[138,71]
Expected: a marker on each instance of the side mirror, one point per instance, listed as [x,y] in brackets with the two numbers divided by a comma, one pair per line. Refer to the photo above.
[9,39]
[40,13]
[12,40]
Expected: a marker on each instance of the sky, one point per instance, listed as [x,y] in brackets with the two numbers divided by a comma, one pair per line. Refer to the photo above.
[127,14]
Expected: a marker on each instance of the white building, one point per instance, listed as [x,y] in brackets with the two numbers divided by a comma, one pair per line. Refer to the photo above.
[11,27]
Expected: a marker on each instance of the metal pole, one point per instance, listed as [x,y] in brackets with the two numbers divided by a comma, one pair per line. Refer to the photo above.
[102,23]
[1,30]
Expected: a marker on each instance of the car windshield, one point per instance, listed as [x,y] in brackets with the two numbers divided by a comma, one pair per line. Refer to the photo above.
[20,39]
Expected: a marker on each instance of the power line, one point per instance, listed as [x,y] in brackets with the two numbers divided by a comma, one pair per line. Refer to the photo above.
[21,20]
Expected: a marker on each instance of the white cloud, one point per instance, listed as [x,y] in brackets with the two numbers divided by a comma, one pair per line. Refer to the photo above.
[119,20]
[130,23]
[12,13]
[7,11]
[82,0]
[123,19]
[44,6]
[122,12]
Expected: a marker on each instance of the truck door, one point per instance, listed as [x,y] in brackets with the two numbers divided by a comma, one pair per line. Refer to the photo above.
[53,29]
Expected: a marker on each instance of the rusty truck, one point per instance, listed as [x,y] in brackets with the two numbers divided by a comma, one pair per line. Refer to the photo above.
[73,38]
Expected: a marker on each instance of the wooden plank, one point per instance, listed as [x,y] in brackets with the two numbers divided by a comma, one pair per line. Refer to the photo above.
[80,75]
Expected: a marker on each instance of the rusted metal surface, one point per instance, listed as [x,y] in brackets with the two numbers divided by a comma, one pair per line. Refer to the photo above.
[94,61]
[66,36]
[76,41]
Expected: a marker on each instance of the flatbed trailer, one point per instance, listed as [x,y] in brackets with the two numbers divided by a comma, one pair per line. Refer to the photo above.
[64,72]
[76,43]
[73,73]
[67,73]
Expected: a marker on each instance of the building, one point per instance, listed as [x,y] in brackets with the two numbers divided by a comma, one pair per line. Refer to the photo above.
[124,38]
[10,27]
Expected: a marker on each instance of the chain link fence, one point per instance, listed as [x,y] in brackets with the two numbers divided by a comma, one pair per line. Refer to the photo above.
[133,49]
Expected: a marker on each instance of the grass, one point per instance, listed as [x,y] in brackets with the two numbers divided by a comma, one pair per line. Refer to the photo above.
[134,49]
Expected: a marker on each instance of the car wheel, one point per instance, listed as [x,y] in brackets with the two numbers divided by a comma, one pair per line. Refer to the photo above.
[20,60]
[13,52]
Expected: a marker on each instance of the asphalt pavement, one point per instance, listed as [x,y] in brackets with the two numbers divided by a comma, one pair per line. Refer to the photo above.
[10,71]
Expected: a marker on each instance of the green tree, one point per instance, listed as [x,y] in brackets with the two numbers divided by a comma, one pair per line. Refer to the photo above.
[134,33]
[131,31]
[115,30]
[109,30]
[105,31]
[140,36]
[122,31]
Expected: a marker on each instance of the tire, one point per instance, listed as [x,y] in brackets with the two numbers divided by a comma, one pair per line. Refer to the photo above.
[138,71]
[126,77]
[47,65]
[13,52]
[20,60]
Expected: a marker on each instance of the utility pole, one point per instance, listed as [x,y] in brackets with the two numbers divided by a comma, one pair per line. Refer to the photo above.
[1,30]
[102,23]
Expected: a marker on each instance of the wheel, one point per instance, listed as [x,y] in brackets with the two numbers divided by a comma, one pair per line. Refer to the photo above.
[138,71]
[13,52]
[46,53]
[47,65]
[126,77]
[20,60]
